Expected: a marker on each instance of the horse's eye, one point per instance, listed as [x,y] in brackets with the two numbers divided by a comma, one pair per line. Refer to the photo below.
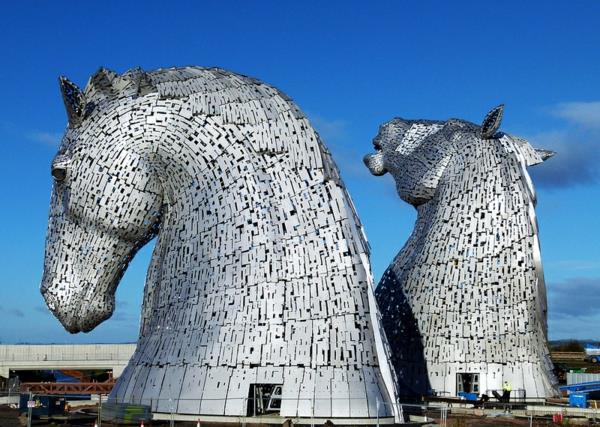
[59,173]
[60,166]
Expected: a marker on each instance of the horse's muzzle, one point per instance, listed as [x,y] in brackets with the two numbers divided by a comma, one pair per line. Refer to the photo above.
[375,163]
[76,314]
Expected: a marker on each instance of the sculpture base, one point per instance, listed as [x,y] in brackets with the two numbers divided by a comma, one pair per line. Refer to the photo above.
[271,419]
[129,413]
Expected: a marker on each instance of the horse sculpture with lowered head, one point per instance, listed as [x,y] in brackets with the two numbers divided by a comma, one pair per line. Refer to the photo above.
[259,282]
[464,302]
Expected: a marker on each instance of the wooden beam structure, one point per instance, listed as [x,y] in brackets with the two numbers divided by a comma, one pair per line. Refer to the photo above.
[68,388]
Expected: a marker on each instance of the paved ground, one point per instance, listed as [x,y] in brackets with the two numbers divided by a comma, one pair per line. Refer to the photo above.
[10,418]
[509,422]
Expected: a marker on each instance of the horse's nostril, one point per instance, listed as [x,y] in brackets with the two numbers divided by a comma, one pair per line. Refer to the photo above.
[49,298]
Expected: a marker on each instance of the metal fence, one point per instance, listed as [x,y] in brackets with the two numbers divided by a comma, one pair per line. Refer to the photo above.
[381,416]
[169,410]
[577,377]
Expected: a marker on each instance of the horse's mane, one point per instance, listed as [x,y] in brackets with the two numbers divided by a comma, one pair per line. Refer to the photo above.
[238,99]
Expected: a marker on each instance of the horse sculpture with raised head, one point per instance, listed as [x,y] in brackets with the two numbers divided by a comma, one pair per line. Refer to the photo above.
[464,302]
[259,282]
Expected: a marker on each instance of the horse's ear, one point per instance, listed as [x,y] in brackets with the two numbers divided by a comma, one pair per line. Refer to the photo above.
[491,122]
[136,82]
[544,154]
[73,99]
[145,85]
[101,82]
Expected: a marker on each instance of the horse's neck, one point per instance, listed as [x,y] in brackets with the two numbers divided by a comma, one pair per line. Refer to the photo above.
[479,210]
[249,218]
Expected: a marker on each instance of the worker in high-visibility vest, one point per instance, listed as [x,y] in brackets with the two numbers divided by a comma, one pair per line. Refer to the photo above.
[506,389]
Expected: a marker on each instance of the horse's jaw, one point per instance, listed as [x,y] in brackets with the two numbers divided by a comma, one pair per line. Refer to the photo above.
[79,311]
[82,268]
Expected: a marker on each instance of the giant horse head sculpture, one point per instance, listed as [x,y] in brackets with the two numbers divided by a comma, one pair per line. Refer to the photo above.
[417,152]
[464,301]
[259,282]
[106,200]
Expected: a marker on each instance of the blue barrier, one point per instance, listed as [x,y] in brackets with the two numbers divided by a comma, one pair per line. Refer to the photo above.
[578,393]
[578,400]
[468,396]
[588,387]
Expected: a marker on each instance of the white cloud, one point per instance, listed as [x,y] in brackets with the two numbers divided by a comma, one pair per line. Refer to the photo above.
[337,138]
[49,138]
[577,147]
[586,114]
[12,312]
[574,297]
[579,328]
[576,160]
[573,308]
[578,265]
[329,130]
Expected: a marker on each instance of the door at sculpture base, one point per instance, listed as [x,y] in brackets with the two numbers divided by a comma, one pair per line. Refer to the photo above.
[526,379]
[466,294]
[259,284]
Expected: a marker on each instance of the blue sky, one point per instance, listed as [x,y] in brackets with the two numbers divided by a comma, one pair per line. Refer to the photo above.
[350,66]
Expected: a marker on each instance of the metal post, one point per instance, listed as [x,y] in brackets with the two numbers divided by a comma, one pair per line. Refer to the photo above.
[244,411]
[377,400]
[312,410]
[443,415]
[99,410]
[29,409]
[172,422]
